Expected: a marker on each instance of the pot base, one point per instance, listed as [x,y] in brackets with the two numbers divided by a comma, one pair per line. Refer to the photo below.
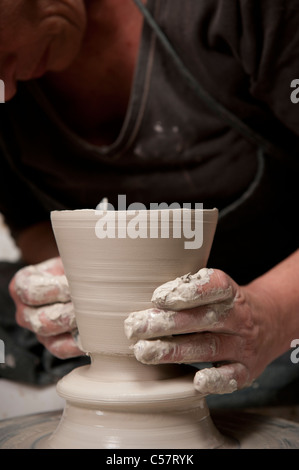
[249,431]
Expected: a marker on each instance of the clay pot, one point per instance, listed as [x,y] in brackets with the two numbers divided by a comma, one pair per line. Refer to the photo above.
[113,266]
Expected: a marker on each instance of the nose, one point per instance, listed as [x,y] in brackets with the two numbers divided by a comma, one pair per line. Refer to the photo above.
[8,75]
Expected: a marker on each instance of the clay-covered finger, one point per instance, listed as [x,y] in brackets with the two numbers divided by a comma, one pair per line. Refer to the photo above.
[41,284]
[155,323]
[193,290]
[198,347]
[49,320]
[62,346]
[224,379]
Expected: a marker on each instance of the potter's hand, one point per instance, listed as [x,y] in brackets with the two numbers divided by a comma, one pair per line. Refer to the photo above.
[206,317]
[43,305]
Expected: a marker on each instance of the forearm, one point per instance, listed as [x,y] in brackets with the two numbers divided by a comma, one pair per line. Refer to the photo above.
[278,293]
[37,243]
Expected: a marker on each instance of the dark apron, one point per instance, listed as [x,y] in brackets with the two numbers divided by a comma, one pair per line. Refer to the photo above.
[259,229]
[254,233]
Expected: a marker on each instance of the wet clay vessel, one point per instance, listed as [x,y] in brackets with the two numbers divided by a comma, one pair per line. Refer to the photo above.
[116,402]
[113,263]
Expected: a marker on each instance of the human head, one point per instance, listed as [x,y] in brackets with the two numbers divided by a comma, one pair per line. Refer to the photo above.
[37,36]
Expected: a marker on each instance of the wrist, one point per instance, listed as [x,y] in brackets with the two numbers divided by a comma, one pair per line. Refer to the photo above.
[275,299]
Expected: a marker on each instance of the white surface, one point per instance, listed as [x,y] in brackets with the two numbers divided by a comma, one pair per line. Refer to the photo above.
[8,249]
[19,399]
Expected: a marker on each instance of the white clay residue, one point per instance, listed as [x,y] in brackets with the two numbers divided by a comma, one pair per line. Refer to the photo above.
[181,349]
[178,300]
[152,352]
[155,323]
[214,380]
[60,315]
[186,291]
[158,127]
[149,323]
[38,287]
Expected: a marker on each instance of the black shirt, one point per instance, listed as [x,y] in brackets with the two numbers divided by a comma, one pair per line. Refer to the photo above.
[172,147]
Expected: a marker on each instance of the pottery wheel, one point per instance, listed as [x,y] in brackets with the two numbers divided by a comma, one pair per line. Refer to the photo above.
[251,431]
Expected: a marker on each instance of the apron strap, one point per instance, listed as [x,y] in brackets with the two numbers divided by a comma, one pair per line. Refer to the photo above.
[227,116]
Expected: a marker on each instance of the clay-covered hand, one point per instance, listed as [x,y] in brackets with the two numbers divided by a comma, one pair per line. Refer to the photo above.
[43,305]
[205,317]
